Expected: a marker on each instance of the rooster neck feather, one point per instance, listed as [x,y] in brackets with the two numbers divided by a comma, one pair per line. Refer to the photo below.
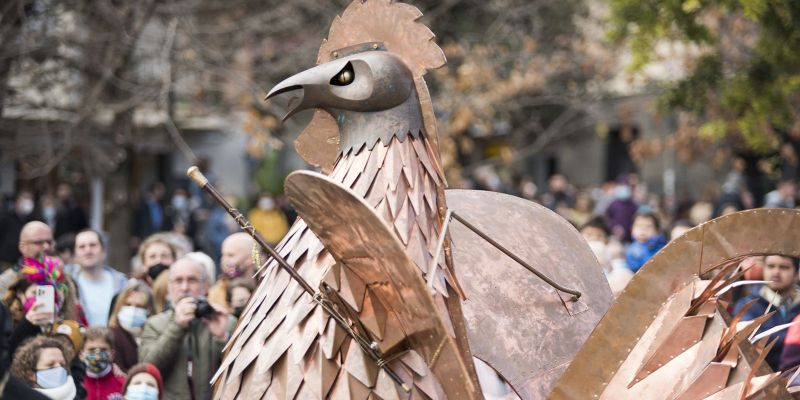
[357,129]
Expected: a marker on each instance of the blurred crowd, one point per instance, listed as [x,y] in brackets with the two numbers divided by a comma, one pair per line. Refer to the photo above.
[625,225]
[75,327]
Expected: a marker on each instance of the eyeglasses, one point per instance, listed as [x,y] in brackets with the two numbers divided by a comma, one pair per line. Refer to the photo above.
[41,242]
[191,281]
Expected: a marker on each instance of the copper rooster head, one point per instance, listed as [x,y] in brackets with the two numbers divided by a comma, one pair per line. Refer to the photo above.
[367,81]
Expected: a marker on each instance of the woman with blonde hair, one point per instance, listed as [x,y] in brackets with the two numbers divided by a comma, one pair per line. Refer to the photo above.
[155,256]
[134,305]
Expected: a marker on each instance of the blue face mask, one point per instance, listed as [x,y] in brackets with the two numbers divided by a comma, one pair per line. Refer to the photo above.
[141,391]
[51,378]
[132,318]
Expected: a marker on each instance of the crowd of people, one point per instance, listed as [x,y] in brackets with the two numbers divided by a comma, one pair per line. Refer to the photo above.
[625,226]
[76,328]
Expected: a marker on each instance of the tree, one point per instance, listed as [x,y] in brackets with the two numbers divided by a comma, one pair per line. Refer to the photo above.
[528,71]
[741,92]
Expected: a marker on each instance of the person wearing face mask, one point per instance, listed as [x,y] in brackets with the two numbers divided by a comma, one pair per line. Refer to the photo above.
[596,233]
[30,317]
[155,256]
[103,380]
[42,364]
[144,382]
[236,261]
[621,210]
[238,294]
[179,211]
[70,216]
[134,305]
[13,222]
[47,207]
[269,220]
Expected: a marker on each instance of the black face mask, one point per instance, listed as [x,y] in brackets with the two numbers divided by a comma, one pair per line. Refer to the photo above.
[237,311]
[156,270]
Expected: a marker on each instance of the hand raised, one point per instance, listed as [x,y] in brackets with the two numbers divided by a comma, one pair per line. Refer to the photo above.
[184,311]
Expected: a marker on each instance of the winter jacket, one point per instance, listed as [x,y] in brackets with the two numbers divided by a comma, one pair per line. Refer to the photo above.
[786,309]
[126,351]
[637,253]
[108,387]
[167,345]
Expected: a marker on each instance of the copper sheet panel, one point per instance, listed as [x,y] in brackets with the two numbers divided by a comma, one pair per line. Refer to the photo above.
[697,251]
[515,321]
[318,144]
[688,332]
[710,381]
[358,239]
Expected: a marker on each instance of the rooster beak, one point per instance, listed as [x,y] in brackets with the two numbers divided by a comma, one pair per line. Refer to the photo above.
[309,88]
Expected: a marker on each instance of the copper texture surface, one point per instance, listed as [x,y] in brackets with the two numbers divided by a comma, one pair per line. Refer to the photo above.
[617,347]
[516,322]
[359,240]
[386,23]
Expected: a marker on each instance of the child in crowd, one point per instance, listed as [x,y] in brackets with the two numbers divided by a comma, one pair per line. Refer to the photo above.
[238,294]
[596,233]
[144,382]
[680,227]
[103,379]
[647,240]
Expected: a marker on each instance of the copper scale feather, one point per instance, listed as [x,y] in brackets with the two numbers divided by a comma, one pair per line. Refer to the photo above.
[286,347]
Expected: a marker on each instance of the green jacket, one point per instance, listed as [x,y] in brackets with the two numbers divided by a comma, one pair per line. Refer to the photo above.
[164,343]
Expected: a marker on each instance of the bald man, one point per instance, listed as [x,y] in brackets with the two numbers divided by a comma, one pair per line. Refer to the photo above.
[236,261]
[34,238]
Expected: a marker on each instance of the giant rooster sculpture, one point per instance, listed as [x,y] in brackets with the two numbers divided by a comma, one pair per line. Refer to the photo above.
[387,320]
[357,303]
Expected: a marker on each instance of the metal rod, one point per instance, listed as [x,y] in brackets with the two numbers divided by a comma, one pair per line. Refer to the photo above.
[198,177]
[507,252]
[202,181]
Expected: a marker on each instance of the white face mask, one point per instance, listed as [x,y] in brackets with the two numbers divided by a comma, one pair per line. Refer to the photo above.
[26,206]
[266,203]
[52,377]
[132,319]
[49,212]
[599,249]
[179,201]
[141,391]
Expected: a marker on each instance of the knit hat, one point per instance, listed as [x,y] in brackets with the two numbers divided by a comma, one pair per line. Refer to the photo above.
[72,330]
[148,369]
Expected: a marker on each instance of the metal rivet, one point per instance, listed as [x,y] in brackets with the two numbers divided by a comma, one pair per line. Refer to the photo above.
[335,54]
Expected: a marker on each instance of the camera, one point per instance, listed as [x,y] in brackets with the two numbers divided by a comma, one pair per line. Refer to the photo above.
[203,310]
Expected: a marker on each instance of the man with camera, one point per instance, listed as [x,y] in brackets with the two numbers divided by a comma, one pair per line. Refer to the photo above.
[186,342]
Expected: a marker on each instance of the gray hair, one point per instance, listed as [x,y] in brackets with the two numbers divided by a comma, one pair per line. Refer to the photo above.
[208,264]
[196,261]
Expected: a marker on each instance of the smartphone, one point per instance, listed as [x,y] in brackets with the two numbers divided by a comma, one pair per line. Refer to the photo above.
[45,295]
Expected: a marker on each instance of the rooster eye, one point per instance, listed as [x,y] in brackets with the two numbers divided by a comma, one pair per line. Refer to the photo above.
[345,76]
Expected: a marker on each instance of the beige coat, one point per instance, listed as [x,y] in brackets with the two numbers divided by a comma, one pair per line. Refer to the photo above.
[165,344]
